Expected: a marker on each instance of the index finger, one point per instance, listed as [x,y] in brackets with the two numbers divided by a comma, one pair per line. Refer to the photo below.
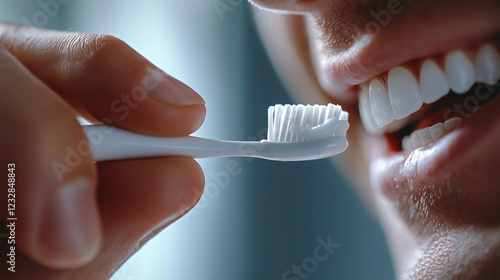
[106,80]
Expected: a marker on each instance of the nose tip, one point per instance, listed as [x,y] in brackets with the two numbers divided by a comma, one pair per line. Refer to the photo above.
[289,6]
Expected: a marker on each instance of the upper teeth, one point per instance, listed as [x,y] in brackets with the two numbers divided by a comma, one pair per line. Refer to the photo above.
[405,94]
[433,82]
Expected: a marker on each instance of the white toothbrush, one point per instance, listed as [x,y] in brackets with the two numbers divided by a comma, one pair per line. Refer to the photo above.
[295,133]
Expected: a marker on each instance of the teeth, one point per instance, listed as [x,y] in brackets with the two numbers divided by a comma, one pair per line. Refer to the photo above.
[379,104]
[386,108]
[437,131]
[459,71]
[488,65]
[408,144]
[415,139]
[433,83]
[404,92]
[425,137]
[428,135]
[451,123]
[366,115]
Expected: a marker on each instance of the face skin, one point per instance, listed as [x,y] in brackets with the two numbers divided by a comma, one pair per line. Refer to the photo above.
[439,204]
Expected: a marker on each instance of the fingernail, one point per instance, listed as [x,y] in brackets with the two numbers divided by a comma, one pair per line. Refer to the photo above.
[70,232]
[168,89]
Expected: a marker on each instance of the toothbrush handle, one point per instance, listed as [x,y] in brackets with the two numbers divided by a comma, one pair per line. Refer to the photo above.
[110,143]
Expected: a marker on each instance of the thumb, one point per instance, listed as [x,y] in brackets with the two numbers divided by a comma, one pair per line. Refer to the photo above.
[55,212]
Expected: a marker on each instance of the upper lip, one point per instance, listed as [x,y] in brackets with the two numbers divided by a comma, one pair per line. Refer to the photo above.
[342,70]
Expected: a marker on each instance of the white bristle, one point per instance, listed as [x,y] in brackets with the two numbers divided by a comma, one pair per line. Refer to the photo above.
[282,117]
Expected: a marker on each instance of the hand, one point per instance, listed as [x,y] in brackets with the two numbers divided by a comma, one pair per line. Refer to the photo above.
[77,219]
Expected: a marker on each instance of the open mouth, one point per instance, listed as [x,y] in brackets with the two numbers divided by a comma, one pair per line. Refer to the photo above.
[440,118]
[416,104]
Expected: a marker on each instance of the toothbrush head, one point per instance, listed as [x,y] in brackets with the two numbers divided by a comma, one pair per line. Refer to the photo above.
[300,123]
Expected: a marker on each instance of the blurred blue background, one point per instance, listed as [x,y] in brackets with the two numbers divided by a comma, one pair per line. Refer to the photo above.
[256,224]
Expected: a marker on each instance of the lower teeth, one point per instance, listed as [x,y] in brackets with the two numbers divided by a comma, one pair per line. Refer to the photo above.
[467,104]
[428,135]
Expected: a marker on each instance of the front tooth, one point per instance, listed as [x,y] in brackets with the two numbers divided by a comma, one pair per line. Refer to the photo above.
[380,104]
[366,114]
[459,71]
[433,83]
[404,92]
[437,131]
[451,123]
[424,136]
[488,65]
[415,138]
[407,144]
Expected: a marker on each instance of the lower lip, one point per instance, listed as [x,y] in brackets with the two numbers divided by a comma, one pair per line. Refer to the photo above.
[474,143]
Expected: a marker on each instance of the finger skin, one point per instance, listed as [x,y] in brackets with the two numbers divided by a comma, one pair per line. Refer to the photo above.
[98,76]
[102,78]
[147,196]
[38,129]
[135,208]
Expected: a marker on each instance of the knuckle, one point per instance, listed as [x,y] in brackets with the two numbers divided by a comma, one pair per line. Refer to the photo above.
[107,41]
[101,54]
[87,45]
[93,57]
